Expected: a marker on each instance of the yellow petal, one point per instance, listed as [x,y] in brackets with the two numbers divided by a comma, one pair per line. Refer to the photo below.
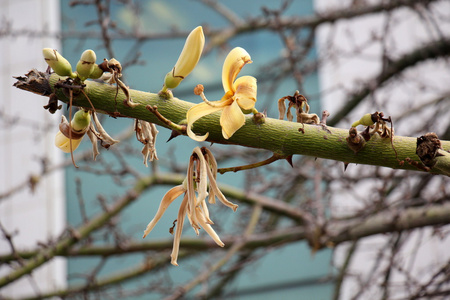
[245,95]
[63,142]
[235,60]
[231,119]
[195,113]
[168,198]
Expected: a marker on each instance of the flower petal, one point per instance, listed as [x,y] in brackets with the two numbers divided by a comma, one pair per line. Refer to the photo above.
[231,119]
[212,164]
[235,60]
[168,198]
[218,193]
[192,199]
[245,94]
[178,231]
[202,176]
[195,113]
[63,142]
[207,227]
[205,210]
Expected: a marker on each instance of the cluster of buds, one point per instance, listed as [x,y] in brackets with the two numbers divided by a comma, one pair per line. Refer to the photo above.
[86,66]
[375,124]
[200,183]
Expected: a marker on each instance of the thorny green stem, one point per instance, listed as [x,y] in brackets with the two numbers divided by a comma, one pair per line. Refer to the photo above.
[278,136]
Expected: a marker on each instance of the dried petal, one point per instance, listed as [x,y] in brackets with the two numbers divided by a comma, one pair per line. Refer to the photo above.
[168,198]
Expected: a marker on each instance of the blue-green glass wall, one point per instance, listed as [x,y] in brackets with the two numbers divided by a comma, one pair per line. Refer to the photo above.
[284,272]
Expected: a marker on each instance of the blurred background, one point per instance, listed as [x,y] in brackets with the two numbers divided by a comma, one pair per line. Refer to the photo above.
[347,57]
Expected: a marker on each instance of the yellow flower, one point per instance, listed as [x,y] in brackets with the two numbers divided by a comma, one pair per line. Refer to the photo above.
[203,166]
[239,98]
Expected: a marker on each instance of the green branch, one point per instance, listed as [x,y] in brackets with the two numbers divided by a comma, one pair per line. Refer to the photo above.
[281,137]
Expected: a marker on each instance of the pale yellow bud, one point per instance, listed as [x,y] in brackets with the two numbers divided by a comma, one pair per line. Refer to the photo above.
[189,57]
[57,62]
[85,65]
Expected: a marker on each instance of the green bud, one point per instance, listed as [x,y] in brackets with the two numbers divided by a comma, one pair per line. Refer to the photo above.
[81,120]
[57,62]
[97,72]
[171,81]
[85,65]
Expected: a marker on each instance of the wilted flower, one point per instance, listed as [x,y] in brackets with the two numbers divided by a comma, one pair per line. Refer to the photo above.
[96,133]
[201,170]
[188,59]
[239,98]
[146,134]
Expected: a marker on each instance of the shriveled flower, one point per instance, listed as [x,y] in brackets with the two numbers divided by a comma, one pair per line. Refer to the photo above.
[97,132]
[201,170]
[146,134]
[239,98]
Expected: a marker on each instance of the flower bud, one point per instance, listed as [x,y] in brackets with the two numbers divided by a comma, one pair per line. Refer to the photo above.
[97,72]
[189,57]
[57,62]
[85,65]
[366,120]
